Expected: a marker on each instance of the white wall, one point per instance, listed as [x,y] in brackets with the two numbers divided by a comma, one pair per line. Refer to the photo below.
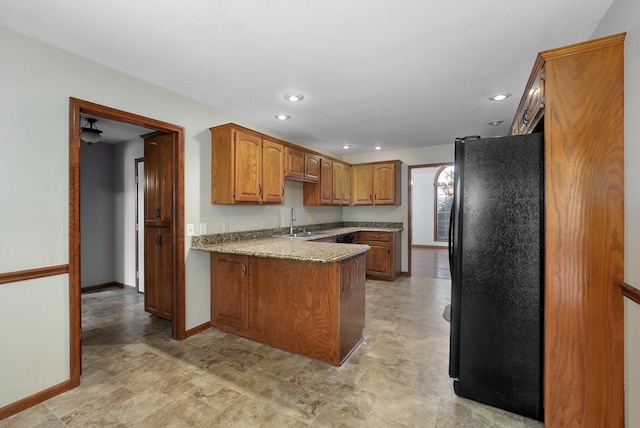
[96,213]
[624,15]
[422,206]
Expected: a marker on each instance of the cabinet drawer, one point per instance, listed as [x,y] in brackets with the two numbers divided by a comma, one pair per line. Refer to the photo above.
[375,236]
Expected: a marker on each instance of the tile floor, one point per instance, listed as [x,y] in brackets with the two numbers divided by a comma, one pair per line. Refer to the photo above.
[134,375]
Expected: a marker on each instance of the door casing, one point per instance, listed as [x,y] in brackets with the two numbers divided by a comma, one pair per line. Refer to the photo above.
[76,107]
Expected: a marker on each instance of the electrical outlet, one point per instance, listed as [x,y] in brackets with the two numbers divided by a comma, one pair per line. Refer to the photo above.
[191,230]
[309,222]
[263,224]
[225,227]
[203,228]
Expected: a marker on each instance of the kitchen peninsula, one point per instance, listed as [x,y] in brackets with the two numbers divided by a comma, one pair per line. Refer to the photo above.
[290,293]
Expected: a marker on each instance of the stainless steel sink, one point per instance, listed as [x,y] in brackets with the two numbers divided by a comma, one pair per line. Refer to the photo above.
[301,234]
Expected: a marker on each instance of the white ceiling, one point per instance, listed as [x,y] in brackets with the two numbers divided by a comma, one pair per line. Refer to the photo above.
[401,74]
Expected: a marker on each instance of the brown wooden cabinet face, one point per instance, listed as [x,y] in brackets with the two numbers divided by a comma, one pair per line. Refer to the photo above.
[295,163]
[312,167]
[346,185]
[158,196]
[362,184]
[384,184]
[272,172]
[158,271]
[378,259]
[248,167]
[326,182]
[229,290]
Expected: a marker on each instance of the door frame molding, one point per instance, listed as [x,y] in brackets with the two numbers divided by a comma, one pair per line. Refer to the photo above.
[410,205]
[76,107]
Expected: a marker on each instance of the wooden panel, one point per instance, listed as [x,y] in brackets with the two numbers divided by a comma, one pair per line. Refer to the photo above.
[376,236]
[272,172]
[158,179]
[248,167]
[362,184]
[312,167]
[584,353]
[352,303]
[229,290]
[158,278]
[295,166]
[346,185]
[222,165]
[24,275]
[384,184]
[294,315]
[326,182]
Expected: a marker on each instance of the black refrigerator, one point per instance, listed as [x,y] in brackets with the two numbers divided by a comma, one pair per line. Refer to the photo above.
[496,260]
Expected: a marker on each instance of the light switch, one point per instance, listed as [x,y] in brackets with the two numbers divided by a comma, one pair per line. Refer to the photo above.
[191,230]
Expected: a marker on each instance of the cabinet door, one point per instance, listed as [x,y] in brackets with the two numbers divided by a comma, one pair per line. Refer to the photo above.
[158,179]
[158,272]
[336,198]
[295,163]
[248,167]
[272,172]
[326,182]
[229,292]
[378,259]
[312,168]
[384,185]
[346,185]
[362,184]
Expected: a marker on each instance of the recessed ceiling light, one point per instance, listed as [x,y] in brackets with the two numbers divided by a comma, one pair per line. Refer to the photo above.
[495,122]
[282,116]
[500,97]
[293,97]
[377,148]
[346,146]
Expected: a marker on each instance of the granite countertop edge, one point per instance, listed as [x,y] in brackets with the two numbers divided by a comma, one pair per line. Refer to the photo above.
[286,248]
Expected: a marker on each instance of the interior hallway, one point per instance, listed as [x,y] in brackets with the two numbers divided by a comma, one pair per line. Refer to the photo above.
[135,375]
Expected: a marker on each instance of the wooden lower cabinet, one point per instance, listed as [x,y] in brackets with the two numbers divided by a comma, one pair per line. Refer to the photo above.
[158,271]
[312,309]
[384,256]
[229,290]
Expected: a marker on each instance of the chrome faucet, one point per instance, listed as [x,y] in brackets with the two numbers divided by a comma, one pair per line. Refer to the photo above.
[293,217]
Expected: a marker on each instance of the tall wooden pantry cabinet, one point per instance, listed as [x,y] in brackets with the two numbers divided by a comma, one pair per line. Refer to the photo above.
[575,95]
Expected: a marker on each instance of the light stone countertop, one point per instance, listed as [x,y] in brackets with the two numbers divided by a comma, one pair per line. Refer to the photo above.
[300,248]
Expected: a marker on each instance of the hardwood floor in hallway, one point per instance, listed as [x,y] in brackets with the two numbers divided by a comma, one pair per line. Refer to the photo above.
[430,262]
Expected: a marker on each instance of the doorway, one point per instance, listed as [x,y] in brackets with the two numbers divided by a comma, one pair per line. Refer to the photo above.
[139,165]
[422,209]
[76,108]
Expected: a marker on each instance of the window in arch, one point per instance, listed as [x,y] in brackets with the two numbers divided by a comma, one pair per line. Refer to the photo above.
[443,193]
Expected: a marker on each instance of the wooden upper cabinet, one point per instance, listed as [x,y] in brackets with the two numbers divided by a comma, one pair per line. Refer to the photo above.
[301,165]
[248,167]
[326,181]
[341,184]
[362,184]
[158,185]
[376,183]
[530,110]
[386,183]
[272,172]
[245,167]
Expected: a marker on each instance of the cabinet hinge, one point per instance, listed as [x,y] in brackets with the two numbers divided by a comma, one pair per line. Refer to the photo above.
[543,75]
[542,100]
[234,193]
[234,136]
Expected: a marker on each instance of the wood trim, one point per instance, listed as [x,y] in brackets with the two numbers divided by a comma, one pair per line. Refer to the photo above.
[24,275]
[32,400]
[98,287]
[582,47]
[433,247]
[410,207]
[198,329]
[630,292]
